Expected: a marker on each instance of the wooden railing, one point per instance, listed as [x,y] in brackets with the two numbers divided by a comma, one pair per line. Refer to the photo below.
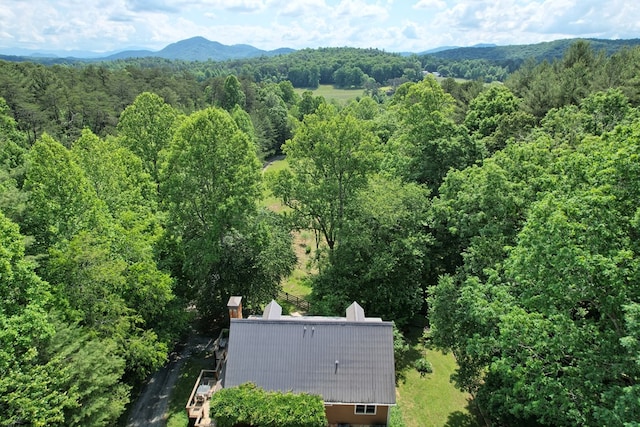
[300,303]
[209,381]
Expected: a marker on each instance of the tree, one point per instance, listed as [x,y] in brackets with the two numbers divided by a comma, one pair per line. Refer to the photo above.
[24,327]
[428,142]
[116,174]
[494,116]
[13,148]
[330,158]
[61,200]
[212,181]
[383,255]
[252,263]
[543,328]
[146,127]
[232,94]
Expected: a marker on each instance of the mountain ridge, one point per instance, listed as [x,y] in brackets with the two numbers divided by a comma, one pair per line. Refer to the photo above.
[192,49]
[201,49]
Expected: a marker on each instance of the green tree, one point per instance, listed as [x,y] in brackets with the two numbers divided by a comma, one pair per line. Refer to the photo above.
[494,116]
[383,255]
[252,263]
[428,142]
[116,174]
[330,158]
[212,181]
[61,200]
[232,94]
[12,158]
[146,128]
[24,327]
[542,326]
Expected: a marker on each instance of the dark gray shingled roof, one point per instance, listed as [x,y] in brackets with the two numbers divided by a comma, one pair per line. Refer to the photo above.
[300,354]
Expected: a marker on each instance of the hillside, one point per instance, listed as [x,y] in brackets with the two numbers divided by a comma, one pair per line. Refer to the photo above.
[201,49]
[193,49]
[539,51]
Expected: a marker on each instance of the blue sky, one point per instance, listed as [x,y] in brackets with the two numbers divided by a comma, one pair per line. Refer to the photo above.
[393,25]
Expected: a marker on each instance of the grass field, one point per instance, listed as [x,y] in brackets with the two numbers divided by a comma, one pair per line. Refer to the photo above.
[303,241]
[432,400]
[342,96]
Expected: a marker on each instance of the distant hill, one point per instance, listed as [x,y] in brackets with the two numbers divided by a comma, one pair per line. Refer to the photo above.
[443,48]
[538,51]
[201,49]
[193,49]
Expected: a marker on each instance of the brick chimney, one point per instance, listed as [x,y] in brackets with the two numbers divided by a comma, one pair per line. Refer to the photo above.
[235,307]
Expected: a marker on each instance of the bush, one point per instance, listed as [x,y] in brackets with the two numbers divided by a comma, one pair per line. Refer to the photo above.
[395,420]
[423,366]
[249,404]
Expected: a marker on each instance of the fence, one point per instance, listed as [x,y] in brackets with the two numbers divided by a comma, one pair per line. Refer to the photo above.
[300,303]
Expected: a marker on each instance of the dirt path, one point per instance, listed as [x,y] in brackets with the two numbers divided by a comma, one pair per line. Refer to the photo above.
[150,410]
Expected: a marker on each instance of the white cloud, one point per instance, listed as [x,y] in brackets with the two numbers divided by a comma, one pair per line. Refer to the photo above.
[302,8]
[430,4]
[360,9]
[103,25]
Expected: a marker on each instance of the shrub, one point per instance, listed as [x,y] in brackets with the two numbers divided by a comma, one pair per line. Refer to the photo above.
[249,404]
[423,366]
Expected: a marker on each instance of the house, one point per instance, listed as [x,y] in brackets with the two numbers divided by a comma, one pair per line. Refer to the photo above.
[346,360]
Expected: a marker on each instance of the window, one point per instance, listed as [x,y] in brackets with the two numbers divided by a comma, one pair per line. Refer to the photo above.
[366,409]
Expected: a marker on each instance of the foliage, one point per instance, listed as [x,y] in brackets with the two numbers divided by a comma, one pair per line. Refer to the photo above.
[329,160]
[211,181]
[383,254]
[61,200]
[548,266]
[513,207]
[248,404]
[428,142]
[494,116]
[395,419]
[146,128]
[251,264]
[423,366]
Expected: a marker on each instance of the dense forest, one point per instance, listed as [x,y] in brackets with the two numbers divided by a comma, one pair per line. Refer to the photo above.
[506,214]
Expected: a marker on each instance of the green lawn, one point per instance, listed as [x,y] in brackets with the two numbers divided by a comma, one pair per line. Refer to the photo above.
[268,199]
[304,241]
[343,96]
[432,400]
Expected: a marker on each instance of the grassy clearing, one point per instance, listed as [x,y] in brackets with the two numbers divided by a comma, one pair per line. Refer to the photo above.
[343,96]
[268,199]
[304,246]
[432,400]
[303,241]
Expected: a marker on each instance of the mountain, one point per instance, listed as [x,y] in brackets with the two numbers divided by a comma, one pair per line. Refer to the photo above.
[443,48]
[538,51]
[193,49]
[54,53]
[201,49]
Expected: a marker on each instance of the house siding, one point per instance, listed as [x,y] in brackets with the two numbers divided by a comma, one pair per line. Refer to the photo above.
[345,414]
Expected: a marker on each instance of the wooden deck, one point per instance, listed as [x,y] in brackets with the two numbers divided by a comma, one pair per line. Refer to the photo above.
[209,381]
